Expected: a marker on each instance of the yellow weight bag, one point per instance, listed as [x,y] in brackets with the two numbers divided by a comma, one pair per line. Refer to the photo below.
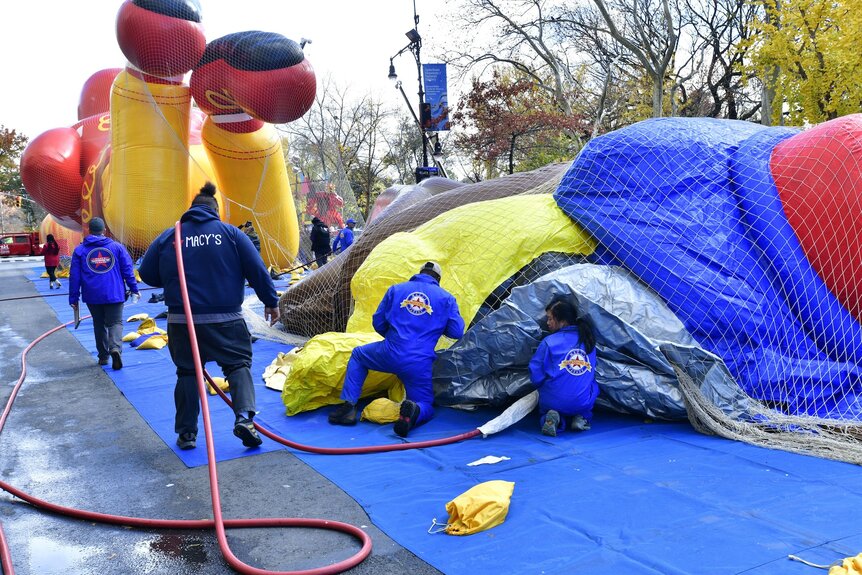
[479,508]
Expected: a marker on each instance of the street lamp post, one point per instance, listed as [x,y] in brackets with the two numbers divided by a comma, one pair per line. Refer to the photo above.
[415,47]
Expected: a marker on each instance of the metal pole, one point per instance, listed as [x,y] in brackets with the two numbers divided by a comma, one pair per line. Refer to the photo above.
[416,52]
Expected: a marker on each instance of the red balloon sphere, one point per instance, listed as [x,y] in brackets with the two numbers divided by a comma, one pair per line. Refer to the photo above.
[818,173]
[51,172]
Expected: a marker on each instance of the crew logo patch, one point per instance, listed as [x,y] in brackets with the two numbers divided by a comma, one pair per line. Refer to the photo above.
[100,260]
[417,303]
[577,362]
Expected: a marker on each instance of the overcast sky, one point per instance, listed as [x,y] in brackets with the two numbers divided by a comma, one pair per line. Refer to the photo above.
[53,46]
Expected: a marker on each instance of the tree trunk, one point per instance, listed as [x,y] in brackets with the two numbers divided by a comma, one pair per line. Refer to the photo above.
[767,96]
[657,95]
[512,155]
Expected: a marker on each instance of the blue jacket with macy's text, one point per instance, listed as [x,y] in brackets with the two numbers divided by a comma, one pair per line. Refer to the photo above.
[414,314]
[565,374]
[218,259]
[100,267]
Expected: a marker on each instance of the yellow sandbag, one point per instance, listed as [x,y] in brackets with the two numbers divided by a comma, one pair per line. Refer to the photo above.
[156,341]
[849,566]
[479,508]
[138,317]
[318,371]
[149,326]
[524,227]
[222,384]
[382,410]
[132,336]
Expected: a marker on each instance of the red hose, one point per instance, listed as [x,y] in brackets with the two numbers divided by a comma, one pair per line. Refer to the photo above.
[350,450]
[218,521]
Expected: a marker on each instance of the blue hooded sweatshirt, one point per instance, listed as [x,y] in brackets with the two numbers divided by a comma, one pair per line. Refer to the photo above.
[565,374]
[100,267]
[218,259]
[414,314]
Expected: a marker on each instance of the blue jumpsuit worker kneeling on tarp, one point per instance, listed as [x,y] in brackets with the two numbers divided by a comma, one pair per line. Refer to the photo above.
[411,318]
[563,369]
[219,259]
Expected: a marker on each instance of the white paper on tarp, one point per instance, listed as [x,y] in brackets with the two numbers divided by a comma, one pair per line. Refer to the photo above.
[515,413]
[488,460]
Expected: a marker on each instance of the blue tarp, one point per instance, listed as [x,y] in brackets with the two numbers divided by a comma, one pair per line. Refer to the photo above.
[628,496]
[690,207]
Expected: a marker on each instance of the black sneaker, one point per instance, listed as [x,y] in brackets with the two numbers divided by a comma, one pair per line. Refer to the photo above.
[103,361]
[552,421]
[186,440]
[344,414]
[244,429]
[116,360]
[407,418]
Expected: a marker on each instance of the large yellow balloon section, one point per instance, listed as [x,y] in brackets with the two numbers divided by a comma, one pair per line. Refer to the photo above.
[149,171]
[252,176]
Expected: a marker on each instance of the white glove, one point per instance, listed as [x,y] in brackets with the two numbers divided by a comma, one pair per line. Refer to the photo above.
[136,297]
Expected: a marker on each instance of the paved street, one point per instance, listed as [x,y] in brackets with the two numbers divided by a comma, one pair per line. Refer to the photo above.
[74,440]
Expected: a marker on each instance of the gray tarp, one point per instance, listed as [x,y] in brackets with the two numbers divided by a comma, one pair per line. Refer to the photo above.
[634,331]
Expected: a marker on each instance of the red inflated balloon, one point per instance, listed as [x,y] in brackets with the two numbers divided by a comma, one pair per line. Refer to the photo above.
[159,45]
[819,178]
[96,93]
[51,172]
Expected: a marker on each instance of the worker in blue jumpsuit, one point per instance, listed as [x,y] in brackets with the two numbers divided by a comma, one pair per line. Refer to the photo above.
[218,260]
[344,239]
[411,318]
[563,369]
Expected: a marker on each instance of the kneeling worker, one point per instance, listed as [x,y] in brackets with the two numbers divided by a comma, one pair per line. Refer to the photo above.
[411,318]
[219,259]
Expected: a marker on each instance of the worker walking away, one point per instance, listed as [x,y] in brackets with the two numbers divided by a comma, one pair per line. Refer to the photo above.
[320,241]
[411,318]
[344,239]
[100,268]
[218,260]
[563,369]
[51,252]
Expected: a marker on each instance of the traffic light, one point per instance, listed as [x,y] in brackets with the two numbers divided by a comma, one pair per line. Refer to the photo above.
[19,201]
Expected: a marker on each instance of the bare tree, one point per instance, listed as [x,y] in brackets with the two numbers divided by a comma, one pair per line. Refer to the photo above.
[721,29]
[605,63]
[647,29]
[370,152]
[519,34]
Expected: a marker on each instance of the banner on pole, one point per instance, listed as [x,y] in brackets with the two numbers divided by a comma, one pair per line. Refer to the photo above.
[436,95]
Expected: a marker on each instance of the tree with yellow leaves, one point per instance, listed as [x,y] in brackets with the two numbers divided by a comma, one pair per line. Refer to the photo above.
[808,55]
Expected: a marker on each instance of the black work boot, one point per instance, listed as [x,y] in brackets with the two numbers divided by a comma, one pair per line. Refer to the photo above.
[186,440]
[116,360]
[244,429]
[407,418]
[344,414]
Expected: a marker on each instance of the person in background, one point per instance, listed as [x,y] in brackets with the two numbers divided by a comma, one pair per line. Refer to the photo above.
[344,239]
[252,235]
[218,259]
[51,251]
[411,318]
[563,369]
[320,241]
[100,268]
